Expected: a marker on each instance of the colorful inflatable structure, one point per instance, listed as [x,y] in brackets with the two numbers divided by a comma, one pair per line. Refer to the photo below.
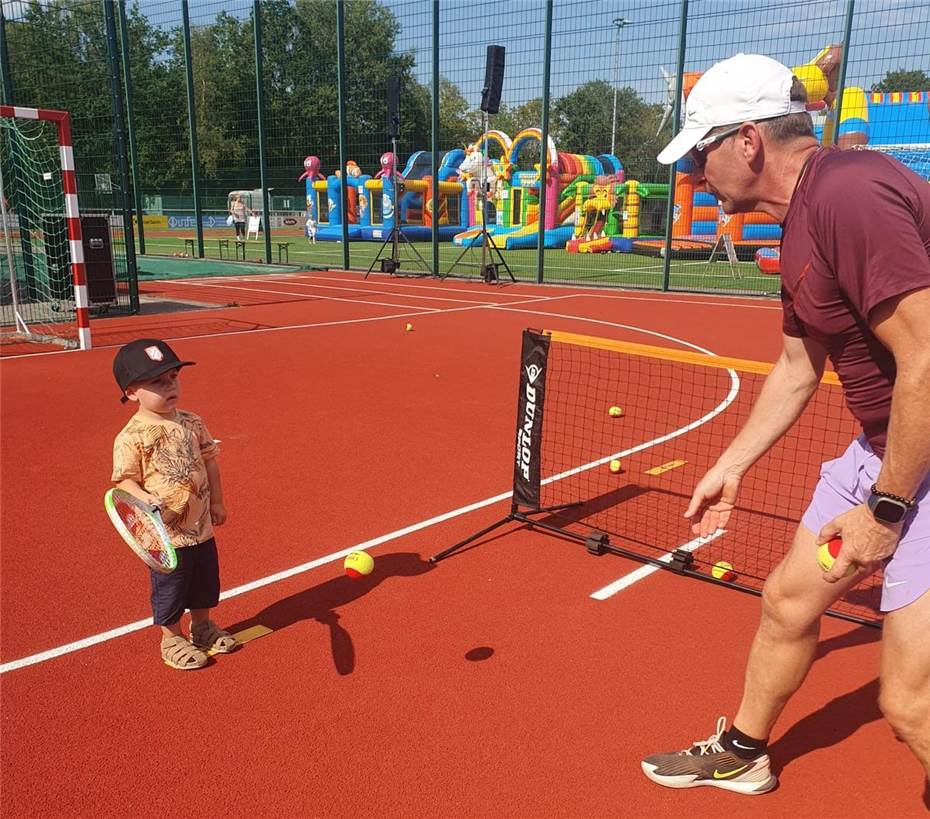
[896,123]
[375,204]
[515,192]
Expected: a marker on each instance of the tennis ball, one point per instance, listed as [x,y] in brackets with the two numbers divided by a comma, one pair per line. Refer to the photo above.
[409,327]
[615,412]
[358,564]
[723,571]
[827,554]
[615,466]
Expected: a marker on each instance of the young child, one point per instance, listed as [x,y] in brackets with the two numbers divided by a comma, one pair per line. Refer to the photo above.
[165,456]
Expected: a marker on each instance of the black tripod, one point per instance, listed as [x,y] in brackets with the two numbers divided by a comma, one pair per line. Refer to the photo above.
[391,264]
[489,248]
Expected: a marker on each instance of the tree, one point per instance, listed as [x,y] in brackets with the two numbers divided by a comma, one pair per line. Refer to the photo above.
[902,80]
[459,123]
[583,126]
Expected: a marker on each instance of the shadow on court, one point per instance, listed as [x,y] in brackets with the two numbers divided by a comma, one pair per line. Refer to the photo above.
[834,722]
[857,637]
[322,602]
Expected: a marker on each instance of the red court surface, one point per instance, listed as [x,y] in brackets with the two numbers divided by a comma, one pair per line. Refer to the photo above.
[488,685]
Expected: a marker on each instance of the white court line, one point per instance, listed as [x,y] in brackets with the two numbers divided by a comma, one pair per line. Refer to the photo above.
[593,291]
[644,571]
[141,624]
[440,287]
[87,642]
[385,293]
[304,326]
[292,294]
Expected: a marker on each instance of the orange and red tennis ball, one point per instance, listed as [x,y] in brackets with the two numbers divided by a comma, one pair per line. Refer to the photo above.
[358,564]
[828,552]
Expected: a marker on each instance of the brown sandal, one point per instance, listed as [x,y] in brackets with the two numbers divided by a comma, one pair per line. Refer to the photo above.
[179,653]
[210,637]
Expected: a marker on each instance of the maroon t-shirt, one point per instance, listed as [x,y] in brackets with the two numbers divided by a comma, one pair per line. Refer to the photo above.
[857,232]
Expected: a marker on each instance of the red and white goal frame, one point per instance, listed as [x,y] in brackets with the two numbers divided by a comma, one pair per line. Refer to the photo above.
[62,120]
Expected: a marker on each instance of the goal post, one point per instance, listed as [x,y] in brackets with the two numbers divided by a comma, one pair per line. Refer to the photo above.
[44,286]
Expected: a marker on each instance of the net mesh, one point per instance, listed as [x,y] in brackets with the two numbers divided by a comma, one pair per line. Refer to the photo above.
[37,292]
[916,156]
[675,414]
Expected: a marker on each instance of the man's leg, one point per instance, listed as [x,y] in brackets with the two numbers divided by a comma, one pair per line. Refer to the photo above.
[794,598]
[905,675]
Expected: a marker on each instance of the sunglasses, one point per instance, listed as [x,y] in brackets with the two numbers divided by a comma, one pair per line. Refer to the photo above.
[698,157]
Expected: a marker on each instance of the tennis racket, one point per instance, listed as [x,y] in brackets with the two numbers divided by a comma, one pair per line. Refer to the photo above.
[141,526]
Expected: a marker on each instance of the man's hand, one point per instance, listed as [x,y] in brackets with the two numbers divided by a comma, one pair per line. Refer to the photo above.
[218,514]
[865,540]
[714,498]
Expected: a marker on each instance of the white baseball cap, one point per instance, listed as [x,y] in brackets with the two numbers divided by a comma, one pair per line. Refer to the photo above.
[743,88]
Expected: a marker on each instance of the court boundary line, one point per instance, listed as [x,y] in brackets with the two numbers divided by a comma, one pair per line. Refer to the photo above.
[138,625]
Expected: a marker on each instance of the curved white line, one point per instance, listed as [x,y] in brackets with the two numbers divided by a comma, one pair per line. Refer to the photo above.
[120,631]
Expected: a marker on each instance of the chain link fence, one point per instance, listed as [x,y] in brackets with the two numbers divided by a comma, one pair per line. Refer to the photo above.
[293,117]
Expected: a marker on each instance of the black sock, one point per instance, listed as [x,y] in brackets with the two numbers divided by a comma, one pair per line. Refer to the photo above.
[743,745]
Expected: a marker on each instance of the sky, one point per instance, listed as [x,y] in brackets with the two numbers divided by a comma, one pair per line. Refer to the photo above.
[586,45]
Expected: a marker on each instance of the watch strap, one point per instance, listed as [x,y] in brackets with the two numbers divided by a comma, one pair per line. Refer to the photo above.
[910,503]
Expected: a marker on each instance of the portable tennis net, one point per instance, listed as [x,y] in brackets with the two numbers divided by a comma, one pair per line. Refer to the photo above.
[665,415]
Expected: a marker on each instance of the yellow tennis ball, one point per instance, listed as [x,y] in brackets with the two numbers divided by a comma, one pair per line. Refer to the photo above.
[615,466]
[409,327]
[358,564]
[723,571]
[615,412]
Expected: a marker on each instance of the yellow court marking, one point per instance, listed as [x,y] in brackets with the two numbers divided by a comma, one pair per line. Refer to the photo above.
[246,635]
[658,470]
[252,633]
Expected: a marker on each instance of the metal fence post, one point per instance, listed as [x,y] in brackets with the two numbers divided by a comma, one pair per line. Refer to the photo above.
[192,126]
[260,113]
[544,149]
[676,120]
[844,60]
[119,127]
[341,91]
[5,62]
[130,124]
[435,141]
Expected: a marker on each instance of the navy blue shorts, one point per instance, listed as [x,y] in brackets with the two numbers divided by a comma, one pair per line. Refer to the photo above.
[194,584]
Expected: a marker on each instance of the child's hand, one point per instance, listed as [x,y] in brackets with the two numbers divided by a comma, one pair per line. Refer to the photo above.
[151,500]
[218,514]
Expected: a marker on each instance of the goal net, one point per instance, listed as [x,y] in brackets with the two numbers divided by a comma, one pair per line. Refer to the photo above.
[43,290]
[915,155]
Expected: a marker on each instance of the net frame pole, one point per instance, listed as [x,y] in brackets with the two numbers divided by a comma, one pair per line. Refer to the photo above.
[62,120]
[8,247]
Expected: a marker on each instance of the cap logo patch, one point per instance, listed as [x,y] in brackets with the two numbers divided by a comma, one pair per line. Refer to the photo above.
[154,353]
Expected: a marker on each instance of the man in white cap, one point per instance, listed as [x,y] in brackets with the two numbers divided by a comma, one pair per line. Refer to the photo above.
[855,288]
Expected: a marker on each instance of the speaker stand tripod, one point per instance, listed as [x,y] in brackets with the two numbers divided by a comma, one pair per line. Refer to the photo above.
[391,264]
[489,249]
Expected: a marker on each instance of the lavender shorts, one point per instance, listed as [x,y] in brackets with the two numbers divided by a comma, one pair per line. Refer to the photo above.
[847,482]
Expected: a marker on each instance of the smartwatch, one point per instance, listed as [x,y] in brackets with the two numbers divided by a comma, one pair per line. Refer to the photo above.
[888,508]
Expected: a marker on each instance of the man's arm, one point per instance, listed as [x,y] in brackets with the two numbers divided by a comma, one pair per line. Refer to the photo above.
[784,395]
[781,401]
[903,325]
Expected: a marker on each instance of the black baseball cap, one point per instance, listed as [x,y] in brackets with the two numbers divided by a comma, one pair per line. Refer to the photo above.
[143,360]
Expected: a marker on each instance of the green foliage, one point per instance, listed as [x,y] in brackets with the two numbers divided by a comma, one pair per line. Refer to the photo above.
[903,80]
[582,125]
[58,58]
